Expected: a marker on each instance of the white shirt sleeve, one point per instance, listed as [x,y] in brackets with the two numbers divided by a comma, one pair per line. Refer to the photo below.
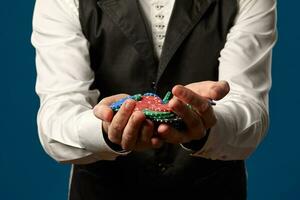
[245,62]
[68,129]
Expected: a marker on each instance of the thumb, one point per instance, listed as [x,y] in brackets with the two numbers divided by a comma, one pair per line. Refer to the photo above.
[215,90]
[219,90]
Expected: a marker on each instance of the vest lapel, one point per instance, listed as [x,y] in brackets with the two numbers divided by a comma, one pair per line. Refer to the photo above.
[186,14]
[127,15]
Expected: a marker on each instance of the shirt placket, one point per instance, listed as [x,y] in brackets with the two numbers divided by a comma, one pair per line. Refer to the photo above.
[159,13]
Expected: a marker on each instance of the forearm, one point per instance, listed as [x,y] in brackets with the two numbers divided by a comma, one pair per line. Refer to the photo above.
[245,63]
[241,126]
[68,129]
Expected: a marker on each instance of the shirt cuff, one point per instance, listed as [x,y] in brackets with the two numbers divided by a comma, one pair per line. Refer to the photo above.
[90,135]
[215,147]
[196,145]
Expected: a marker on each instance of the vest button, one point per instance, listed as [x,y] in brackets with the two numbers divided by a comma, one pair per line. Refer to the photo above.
[153,85]
[162,167]
[161,17]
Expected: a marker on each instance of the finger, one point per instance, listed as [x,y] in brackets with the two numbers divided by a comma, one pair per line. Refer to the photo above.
[156,142]
[105,126]
[115,130]
[150,139]
[190,117]
[189,97]
[103,112]
[102,109]
[219,90]
[147,132]
[207,115]
[171,135]
[132,129]
[144,140]
[215,90]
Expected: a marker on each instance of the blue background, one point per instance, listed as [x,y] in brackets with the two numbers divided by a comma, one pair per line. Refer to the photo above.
[26,172]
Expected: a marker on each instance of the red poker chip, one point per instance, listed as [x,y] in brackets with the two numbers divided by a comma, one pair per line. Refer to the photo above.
[152,103]
[160,108]
[141,106]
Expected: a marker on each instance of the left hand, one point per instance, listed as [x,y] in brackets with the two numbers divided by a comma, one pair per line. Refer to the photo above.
[198,119]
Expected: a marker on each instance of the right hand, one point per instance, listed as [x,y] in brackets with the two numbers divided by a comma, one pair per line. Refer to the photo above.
[128,128]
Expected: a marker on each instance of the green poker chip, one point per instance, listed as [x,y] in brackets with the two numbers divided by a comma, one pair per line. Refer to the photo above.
[137,97]
[158,115]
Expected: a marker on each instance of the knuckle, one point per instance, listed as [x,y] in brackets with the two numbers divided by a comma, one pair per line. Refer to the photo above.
[133,119]
[128,137]
[116,127]
[136,118]
[189,97]
[105,101]
[97,110]
[102,101]
[114,138]
[122,113]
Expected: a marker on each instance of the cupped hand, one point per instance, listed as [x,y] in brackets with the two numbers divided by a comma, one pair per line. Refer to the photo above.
[191,103]
[128,128]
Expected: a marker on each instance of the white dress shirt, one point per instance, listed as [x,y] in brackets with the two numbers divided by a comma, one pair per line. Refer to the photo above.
[158,13]
[68,129]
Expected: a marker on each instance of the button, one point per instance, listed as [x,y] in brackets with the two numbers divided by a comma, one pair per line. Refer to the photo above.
[160,26]
[160,36]
[159,7]
[160,16]
[162,167]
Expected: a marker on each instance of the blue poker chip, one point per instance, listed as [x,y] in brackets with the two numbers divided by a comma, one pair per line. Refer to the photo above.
[117,105]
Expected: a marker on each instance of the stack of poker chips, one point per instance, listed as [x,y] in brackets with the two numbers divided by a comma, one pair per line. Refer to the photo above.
[153,107]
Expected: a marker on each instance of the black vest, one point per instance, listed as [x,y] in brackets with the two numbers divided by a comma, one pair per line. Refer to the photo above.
[123,60]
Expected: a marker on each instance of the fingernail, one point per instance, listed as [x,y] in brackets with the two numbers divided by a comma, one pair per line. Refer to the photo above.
[172,103]
[129,105]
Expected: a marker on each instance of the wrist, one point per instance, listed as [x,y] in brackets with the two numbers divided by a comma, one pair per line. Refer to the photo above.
[197,145]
